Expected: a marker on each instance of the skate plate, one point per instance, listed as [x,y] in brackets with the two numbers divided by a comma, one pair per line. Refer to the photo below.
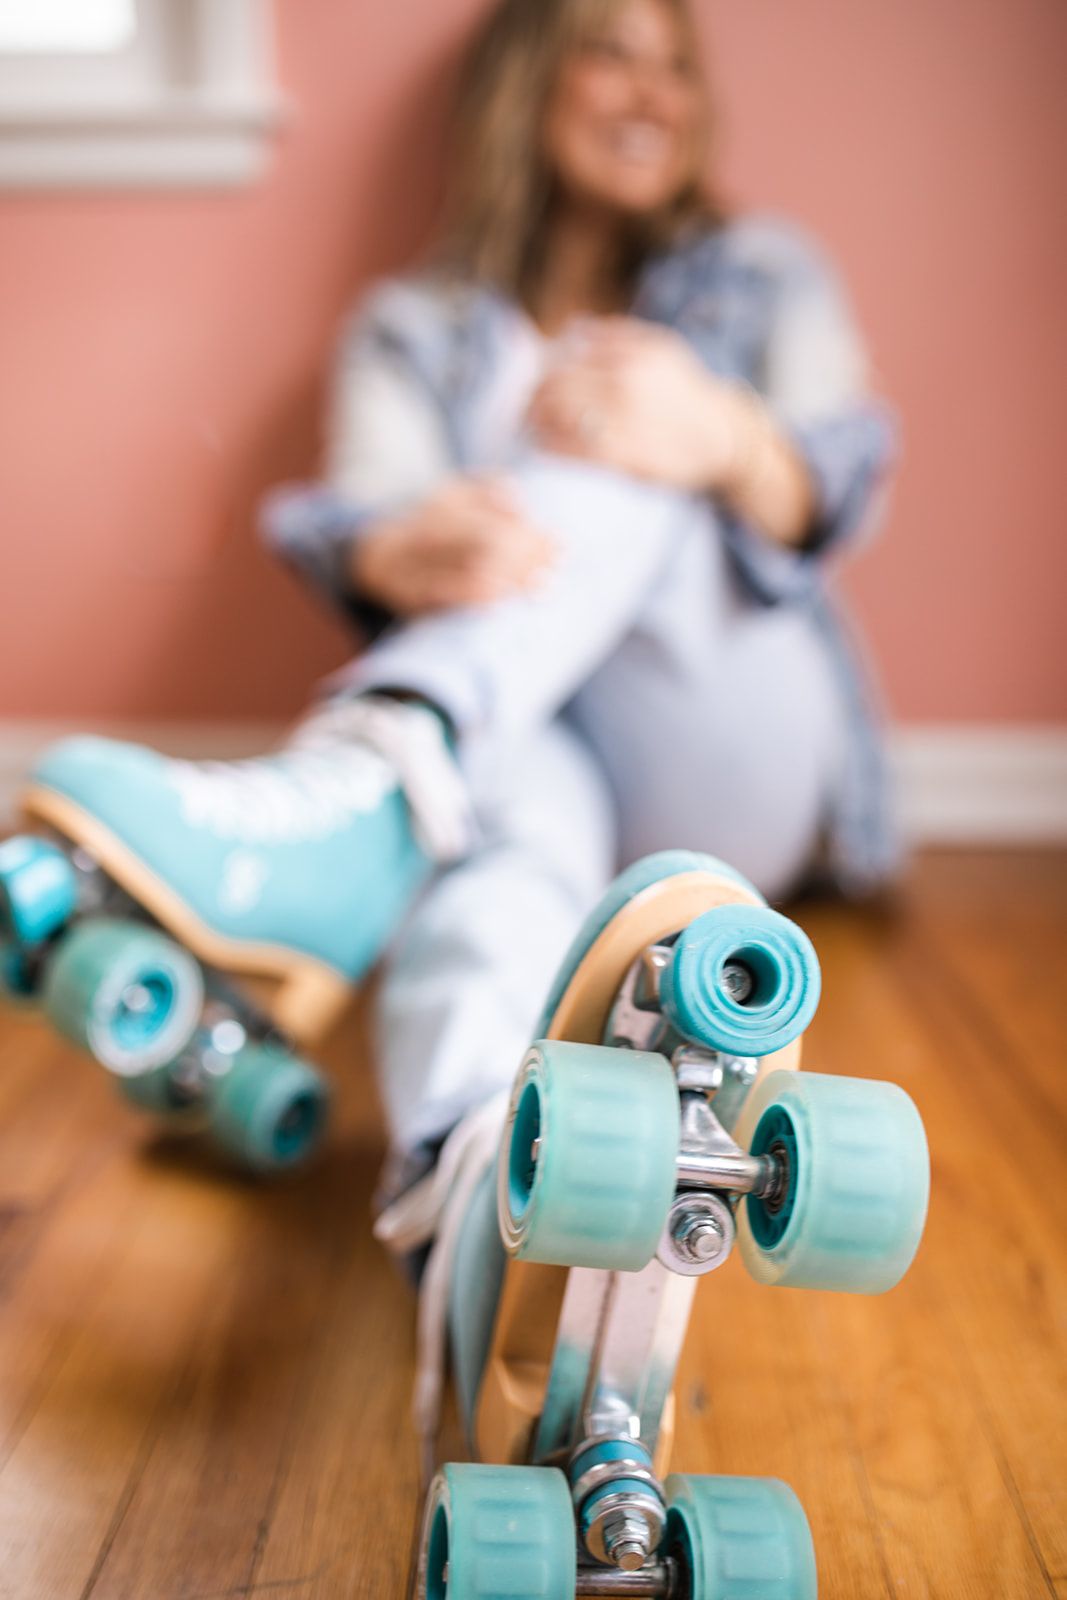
[303,997]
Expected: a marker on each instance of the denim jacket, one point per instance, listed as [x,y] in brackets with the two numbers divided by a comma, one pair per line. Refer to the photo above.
[760,305]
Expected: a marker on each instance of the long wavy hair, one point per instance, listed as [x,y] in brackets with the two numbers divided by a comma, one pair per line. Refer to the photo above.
[502,190]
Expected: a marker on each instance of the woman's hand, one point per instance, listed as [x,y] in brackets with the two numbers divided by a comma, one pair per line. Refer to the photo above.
[634,396]
[467,544]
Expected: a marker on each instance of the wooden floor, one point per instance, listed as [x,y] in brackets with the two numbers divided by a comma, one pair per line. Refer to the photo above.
[204,1382]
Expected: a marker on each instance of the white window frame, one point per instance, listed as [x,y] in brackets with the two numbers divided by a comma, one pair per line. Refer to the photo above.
[191,102]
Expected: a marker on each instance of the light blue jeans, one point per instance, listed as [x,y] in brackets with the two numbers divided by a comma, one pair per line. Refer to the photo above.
[638,701]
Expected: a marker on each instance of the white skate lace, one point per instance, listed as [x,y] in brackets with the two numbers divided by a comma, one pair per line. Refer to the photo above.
[344,759]
[411,739]
[435,1208]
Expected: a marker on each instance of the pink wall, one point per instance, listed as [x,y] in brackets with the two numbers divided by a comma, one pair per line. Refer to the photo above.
[162,357]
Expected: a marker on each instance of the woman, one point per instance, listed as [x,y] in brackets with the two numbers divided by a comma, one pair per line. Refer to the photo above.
[583,477]
[594,303]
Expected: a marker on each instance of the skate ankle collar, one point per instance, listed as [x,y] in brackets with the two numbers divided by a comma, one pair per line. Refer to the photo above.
[413,739]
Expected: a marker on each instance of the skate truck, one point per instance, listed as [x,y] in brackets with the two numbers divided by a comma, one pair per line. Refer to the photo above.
[659,1119]
[194,969]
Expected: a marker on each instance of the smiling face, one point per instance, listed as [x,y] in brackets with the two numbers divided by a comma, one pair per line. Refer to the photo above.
[623,123]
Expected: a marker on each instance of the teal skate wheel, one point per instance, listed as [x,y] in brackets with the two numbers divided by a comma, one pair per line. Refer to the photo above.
[739,1539]
[161,1093]
[126,993]
[742,980]
[268,1110]
[850,1209]
[38,890]
[587,1165]
[498,1533]
[18,975]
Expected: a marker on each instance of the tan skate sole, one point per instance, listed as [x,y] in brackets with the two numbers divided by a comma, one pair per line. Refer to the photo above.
[516,1373]
[302,996]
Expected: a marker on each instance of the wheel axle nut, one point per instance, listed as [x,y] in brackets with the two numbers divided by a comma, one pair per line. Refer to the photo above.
[699,1238]
[627,1542]
[698,1235]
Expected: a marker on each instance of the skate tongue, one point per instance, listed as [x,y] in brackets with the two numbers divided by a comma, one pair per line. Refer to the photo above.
[412,739]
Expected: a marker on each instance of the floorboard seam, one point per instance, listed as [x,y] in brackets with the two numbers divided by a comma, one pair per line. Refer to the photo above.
[992,1437]
[334,1279]
[859,1466]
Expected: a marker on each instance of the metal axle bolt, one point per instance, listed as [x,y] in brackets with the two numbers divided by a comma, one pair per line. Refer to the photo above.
[738,981]
[627,1542]
[699,1238]
[136,998]
[699,1234]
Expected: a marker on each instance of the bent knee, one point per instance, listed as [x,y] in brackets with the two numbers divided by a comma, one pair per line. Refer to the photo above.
[563,490]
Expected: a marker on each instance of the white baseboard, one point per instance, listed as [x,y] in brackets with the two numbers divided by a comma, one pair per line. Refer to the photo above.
[957,783]
[982,783]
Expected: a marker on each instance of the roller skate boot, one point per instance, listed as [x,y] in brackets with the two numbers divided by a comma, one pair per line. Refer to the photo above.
[195,925]
[658,1122]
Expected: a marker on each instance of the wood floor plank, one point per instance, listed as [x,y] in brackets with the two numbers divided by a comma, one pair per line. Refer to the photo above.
[206,1486]
[344,1516]
[1007,967]
[992,1261]
[81,1445]
[63,1199]
[56,1113]
[758,1396]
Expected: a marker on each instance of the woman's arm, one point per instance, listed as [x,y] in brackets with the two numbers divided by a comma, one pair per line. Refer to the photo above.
[813,420]
[394,530]
[385,447]
[765,480]
[814,391]
[386,441]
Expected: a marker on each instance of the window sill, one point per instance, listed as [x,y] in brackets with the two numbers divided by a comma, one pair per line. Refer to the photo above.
[180,142]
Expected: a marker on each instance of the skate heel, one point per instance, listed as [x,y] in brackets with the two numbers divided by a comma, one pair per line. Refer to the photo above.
[309,1001]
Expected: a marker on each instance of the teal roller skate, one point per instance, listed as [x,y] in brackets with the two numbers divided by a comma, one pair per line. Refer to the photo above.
[659,1118]
[171,899]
